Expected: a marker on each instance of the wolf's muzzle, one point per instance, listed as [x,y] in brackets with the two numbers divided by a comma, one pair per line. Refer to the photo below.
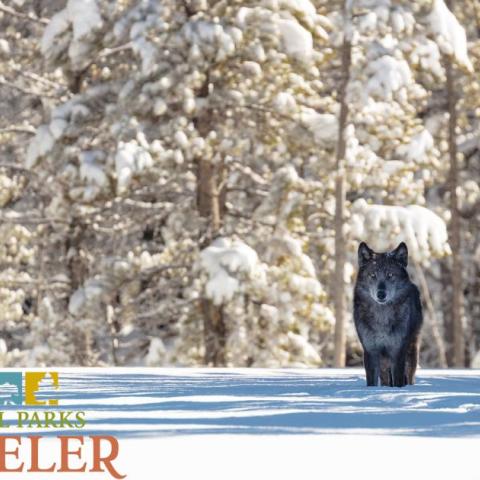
[381,295]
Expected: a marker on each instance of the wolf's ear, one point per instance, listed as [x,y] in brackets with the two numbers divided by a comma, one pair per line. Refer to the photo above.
[400,254]
[365,254]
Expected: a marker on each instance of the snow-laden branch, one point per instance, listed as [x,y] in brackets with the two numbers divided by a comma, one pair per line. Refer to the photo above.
[386,225]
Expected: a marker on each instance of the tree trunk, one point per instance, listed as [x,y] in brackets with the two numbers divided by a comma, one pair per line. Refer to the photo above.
[114,327]
[210,196]
[209,200]
[434,323]
[339,280]
[475,312]
[211,206]
[77,266]
[215,334]
[455,226]
[446,306]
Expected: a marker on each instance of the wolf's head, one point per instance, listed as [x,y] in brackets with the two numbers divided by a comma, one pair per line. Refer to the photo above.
[382,275]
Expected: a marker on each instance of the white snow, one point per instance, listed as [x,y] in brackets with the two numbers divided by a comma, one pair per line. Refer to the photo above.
[386,225]
[387,75]
[298,343]
[57,127]
[419,146]
[41,144]
[296,40]
[83,17]
[79,111]
[305,285]
[443,403]
[398,21]
[252,68]
[159,107]
[476,360]
[392,167]
[222,260]
[306,10]
[91,291]
[205,34]
[368,22]
[304,7]
[130,159]
[47,135]
[243,15]
[450,35]
[273,423]
[285,103]
[4,47]
[427,55]
[147,52]
[58,24]
[156,352]
[181,139]
[76,302]
[324,126]
[3,347]
[90,170]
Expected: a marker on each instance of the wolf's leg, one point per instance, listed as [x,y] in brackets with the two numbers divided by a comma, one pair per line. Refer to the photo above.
[412,360]
[385,377]
[372,368]
[398,368]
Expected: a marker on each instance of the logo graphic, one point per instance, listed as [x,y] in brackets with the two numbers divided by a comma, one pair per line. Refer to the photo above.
[41,385]
[11,388]
[41,388]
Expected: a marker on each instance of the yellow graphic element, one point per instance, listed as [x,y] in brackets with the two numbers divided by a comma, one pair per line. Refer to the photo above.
[41,383]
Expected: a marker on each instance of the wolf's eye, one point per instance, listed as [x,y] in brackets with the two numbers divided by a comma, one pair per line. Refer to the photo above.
[373,275]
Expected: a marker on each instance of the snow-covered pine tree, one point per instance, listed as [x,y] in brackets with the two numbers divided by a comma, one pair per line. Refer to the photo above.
[183,170]
[391,152]
[26,94]
[169,105]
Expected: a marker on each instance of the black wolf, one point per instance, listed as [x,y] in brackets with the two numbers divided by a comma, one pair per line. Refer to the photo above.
[388,316]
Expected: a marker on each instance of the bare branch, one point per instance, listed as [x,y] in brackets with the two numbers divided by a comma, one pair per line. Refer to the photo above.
[23,16]
[6,83]
[106,52]
[28,130]
[26,220]
[17,168]
[36,77]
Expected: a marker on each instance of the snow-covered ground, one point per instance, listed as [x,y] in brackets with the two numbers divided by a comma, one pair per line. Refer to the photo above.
[241,423]
[150,402]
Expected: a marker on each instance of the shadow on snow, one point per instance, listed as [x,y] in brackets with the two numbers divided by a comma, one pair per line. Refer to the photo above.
[282,403]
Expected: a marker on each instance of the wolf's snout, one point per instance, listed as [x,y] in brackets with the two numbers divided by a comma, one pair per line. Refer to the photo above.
[381,291]
[381,295]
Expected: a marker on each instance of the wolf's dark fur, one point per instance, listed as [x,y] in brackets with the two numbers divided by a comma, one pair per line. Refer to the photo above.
[388,316]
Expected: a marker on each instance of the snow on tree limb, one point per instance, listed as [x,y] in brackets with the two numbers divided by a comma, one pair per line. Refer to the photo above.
[225,261]
[450,35]
[386,225]
[71,31]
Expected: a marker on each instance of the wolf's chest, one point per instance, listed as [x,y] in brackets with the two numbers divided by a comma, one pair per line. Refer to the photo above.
[385,329]
[381,339]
